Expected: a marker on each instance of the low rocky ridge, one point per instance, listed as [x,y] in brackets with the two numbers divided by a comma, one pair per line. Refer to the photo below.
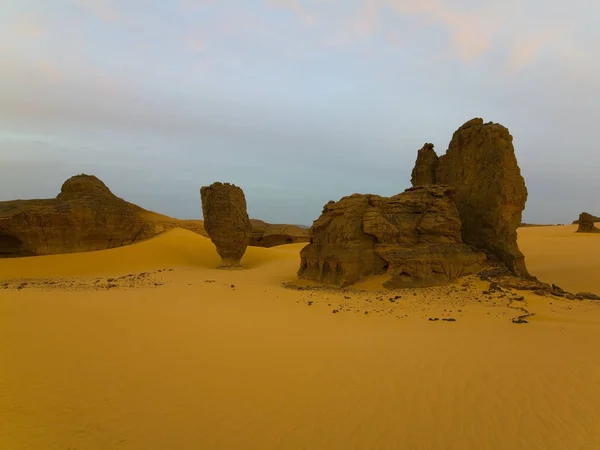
[413,237]
[87,216]
[269,235]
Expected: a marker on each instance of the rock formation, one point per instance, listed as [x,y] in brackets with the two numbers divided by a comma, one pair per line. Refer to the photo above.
[84,216]
[226,221]
[587,224]
[269,235]
[480,164]
[594,219]
[413,237]
[424,171]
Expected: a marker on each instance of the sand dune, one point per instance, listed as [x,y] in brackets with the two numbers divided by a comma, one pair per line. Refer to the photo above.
[177,247]
[559,255]
[217,359]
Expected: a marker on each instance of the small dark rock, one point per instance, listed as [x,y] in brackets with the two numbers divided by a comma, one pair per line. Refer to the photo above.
[309,303]
[335,311]
[449,319]
[519,320]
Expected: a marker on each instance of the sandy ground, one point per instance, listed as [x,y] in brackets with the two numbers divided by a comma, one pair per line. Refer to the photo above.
[150,347]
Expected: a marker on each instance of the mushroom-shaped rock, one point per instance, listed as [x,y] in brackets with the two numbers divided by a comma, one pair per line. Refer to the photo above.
[226,221]
[587,223]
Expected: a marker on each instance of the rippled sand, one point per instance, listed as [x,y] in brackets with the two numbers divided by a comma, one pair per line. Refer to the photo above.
[113,349]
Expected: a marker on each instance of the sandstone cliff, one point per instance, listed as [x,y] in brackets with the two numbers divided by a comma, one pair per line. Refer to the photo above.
[413,237]
[480,164]
[226,221]
[85,216]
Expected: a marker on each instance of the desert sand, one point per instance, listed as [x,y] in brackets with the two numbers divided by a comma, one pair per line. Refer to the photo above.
[150,347]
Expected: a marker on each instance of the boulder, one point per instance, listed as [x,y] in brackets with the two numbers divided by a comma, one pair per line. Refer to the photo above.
[480,164]
[226,221]
[269,235]
[587,223]
[85,216]
[413,238]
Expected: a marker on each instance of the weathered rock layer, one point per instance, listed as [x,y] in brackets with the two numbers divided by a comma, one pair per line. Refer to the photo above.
[480,164]
[413,237]
[226,221]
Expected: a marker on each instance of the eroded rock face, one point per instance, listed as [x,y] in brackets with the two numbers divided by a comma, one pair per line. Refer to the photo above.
[269,235]
[85,216]
[587,223]
[226,221]
[480,164]
[425,167]
[413,237]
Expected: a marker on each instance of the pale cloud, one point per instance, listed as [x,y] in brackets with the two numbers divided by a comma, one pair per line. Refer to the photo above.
[194,43]
[102,9]
[28,27]
[526,50]
[296,8]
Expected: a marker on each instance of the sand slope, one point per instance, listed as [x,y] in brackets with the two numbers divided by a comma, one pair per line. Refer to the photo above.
[177,247]
[199,364]
[559,255]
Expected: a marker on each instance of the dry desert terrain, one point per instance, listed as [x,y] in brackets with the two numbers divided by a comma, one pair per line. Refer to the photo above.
[149,347]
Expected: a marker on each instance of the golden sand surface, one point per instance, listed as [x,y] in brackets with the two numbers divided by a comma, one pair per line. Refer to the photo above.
[150,347]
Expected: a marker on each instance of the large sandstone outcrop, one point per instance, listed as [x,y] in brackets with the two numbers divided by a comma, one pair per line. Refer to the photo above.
[226,221]
[269,235]
[85,216]
[480,164]
[413,237]
[587,223]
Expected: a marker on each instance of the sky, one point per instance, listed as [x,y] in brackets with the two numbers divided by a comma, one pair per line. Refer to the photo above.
[296,101]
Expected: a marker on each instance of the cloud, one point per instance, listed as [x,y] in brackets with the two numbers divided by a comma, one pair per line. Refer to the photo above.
[102,9]
[194,43]
[28,27]
[526,51]
[296,8]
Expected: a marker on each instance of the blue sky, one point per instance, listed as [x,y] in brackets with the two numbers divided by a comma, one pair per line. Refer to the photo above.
[297,101]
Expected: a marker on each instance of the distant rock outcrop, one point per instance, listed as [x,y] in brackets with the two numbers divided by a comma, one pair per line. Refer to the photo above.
[226,221]
[424,171]
[413,237]
[587,223]
[85,216]
[269,235]
[480,164]
[593,218]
